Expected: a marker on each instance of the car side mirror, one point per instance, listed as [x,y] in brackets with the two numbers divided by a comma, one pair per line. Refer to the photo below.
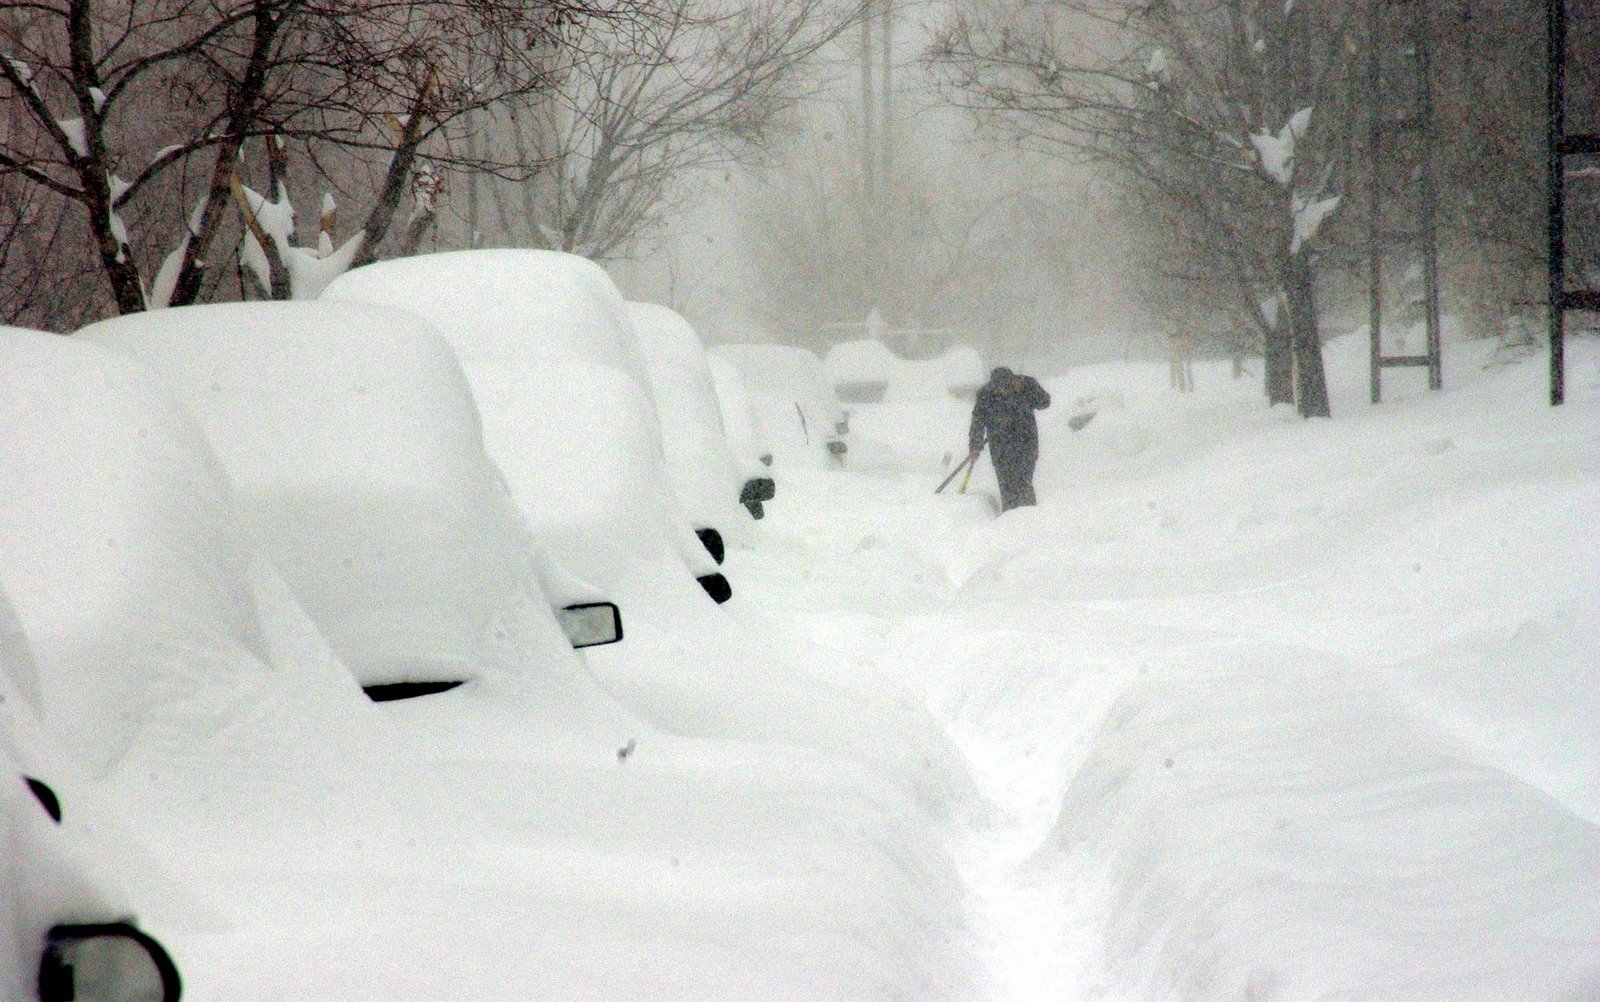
[47,797]
[591,624]
[106,962]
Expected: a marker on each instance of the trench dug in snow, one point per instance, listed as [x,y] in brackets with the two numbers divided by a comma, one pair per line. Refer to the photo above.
[878,579]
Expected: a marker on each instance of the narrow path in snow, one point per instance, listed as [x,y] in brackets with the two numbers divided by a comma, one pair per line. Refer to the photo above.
[865,565]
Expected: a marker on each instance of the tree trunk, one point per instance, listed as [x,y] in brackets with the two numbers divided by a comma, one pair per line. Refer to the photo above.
[383,210]
[243,106]
[1311,384]
[120,269]
[90,160]
[408,138]
[116,257]
[1278,358]
[474,225]
[277,270]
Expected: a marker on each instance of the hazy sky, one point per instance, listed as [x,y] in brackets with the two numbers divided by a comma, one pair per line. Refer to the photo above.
[703,270]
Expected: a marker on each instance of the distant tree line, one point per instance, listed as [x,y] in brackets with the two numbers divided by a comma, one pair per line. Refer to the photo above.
[962,255]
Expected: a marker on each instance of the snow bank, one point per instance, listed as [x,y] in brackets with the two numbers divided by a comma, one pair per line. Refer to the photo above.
[1356,690]
[1270,826]
[699,462]
[354,449]
[1280,709]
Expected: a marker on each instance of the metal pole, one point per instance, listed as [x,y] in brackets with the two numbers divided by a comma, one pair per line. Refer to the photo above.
[868,113]
[1375,203]
[1556,22]
[1429,195]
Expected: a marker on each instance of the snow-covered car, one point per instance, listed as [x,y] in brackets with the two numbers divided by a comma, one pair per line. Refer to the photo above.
[867,372]
[905,414]
[356,461]
[545,341]
[176,680]
[798,414]
[60,939]
[66,930]
[749,446]
[546,345]
[700,461]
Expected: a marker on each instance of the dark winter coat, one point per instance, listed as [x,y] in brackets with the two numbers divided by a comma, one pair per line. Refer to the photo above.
[1002,417]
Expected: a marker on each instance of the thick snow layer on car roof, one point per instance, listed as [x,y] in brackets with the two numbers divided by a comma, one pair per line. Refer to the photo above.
[778,370]
[699,461]
[792,399]
[142,601]
[355,452]
[546,343]
[957,372]
[860,360]
[580,447]
[508,308]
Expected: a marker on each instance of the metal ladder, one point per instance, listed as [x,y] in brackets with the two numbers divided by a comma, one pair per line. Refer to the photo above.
[1402,194]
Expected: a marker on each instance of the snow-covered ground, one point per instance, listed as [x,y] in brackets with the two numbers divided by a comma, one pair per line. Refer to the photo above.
[1266,709]
[1254,708]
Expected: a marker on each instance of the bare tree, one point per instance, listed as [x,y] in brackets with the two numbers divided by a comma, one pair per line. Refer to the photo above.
[644,104]
[1227,116]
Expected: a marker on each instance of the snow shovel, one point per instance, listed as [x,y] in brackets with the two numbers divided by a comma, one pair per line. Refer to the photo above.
[968,464]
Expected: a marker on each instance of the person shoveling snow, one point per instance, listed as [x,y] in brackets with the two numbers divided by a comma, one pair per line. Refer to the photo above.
[1002,418]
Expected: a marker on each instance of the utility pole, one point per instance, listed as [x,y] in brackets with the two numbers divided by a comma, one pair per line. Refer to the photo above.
[886,130]
[877,135]
[868,165]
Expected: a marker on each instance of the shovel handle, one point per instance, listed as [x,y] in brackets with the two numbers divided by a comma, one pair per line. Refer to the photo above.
[953,473]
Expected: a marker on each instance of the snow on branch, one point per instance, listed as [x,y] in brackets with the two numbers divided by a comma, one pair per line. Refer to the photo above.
[77,138]
[1276,151]
[308,270]
[1308,216]
[23,71]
